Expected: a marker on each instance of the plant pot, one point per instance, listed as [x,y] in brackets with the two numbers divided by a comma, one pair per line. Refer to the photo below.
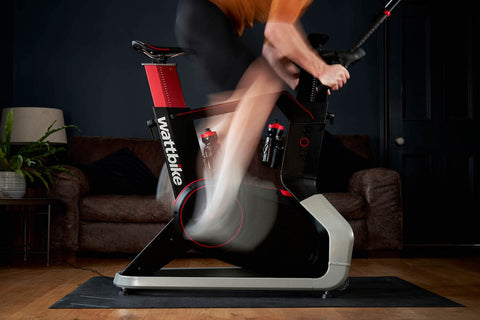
[12,184]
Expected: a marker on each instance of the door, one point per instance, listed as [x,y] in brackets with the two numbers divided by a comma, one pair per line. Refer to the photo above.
[433,111]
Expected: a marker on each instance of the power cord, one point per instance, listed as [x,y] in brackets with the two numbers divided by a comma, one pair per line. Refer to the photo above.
[84,268]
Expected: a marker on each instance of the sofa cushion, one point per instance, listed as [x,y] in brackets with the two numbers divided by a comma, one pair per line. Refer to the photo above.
[120,172]
[116,237]
[359,227]
[84,149]
[350,205]
[127,208]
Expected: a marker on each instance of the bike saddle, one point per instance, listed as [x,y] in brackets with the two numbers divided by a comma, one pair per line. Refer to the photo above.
[159,54]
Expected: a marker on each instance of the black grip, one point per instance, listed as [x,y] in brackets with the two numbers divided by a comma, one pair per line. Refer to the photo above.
[348,58]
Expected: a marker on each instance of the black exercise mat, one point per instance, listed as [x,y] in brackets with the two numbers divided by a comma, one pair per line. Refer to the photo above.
[100,292]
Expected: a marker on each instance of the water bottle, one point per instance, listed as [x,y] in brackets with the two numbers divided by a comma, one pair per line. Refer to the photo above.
[273,147]
[209,139]
[277,147]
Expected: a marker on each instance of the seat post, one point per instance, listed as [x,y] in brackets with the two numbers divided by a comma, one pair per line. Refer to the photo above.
[178,136]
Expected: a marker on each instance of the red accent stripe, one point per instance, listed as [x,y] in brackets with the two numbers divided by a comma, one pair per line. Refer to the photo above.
[236,102]
[387,13]
[300,105]
[282,191]
[286,193]
[206,108]
[160,49]
[201,244]
[185,188]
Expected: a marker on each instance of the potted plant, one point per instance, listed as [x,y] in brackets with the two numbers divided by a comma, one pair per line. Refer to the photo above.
[30,161]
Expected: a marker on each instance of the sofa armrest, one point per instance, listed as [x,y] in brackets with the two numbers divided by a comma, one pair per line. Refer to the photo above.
[68,190]
[381,188]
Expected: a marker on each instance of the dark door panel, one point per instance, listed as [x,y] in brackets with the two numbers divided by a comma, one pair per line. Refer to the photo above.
[434,120]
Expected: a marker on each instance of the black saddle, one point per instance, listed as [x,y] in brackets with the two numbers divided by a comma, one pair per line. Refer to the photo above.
[159,54]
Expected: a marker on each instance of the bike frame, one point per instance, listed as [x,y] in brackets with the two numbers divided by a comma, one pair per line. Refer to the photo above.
[307,116]
[174,122]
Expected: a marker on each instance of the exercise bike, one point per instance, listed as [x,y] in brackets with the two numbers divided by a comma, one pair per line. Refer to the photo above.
[309,244]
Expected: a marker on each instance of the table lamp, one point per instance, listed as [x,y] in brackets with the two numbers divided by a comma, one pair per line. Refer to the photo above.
[31,123]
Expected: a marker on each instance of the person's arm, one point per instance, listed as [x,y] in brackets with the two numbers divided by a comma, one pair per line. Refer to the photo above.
[283,67]
[292,44]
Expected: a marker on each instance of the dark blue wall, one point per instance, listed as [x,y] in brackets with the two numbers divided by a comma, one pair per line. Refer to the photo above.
[6,52]
[76,55]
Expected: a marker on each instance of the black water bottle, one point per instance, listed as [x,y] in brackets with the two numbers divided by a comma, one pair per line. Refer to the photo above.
[273,147]
[277,146]
[209,138]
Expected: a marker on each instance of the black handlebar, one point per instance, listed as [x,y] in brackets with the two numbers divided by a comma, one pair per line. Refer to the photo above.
[376,23]
[314,90]
[355,53]
[345,58]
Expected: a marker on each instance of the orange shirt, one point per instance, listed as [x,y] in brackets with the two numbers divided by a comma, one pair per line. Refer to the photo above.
[243,13]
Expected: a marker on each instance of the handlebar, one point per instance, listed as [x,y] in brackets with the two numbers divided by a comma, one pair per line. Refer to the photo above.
[345,58]
[355,53]
[376,23]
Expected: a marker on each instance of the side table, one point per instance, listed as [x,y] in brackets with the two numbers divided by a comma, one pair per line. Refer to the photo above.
[46,202]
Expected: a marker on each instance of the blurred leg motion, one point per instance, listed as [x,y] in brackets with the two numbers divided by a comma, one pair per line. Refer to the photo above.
[233,73]
[213,28]
[259,88]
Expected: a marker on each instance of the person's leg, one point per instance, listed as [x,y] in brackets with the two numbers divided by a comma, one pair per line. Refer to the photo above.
[220,56]
[262,88]
[223,59]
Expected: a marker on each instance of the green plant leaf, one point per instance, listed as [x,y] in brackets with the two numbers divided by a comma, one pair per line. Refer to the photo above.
[15,162]
[20,173]
[50,131]
[28,175]
[29,162]
[3,161]
[39,176]
[7,134]
[60,168]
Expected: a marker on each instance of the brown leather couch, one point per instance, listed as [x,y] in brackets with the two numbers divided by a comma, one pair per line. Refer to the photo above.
[116,223]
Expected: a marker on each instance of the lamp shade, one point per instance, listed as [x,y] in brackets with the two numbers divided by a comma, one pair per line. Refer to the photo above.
[31,123]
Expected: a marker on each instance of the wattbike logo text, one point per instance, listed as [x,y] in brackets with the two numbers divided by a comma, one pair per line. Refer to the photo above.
[171,154]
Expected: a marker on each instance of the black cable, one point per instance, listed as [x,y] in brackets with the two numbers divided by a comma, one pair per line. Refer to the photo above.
[85,269]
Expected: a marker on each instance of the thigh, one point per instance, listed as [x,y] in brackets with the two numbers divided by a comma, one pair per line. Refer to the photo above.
[220,56]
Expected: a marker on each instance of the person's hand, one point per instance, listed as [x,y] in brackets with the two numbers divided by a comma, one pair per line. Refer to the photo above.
[333,76]
[283,67]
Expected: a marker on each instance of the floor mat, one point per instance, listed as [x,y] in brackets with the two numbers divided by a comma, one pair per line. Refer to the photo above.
[100,292]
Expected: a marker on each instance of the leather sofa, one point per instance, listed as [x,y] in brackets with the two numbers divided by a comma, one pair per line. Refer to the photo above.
[124,223]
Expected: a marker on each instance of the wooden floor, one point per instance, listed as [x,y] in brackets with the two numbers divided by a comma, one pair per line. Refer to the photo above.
[28,290]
